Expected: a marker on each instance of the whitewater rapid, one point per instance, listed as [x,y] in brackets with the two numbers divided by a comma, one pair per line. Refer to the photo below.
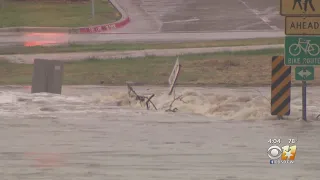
[94,133]
[217,103]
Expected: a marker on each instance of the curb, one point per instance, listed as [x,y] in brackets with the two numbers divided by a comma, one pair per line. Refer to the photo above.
[80,30]
[107,27]
[101,28]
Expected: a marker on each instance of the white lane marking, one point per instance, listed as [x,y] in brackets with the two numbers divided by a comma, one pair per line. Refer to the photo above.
[264,19]
[275,28]
[255,11]
[249,25]
[271,10]
[181,21]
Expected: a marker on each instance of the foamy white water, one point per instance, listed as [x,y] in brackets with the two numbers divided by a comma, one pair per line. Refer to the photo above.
[93,133]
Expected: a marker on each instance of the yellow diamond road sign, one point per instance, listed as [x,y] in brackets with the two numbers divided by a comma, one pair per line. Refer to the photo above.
[300,7]
[302,26]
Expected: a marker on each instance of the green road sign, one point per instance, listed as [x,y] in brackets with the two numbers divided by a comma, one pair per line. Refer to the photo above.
[304,73]
[302,50]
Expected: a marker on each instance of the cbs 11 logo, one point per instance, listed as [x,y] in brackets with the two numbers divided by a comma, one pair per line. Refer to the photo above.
[283,155]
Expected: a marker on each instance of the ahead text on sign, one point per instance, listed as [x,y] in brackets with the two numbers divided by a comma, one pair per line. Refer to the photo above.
[301,26]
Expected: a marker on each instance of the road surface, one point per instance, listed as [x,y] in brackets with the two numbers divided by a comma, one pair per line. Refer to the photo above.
[176,21]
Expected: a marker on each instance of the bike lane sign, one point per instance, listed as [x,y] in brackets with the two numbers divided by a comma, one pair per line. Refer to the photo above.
[302,50]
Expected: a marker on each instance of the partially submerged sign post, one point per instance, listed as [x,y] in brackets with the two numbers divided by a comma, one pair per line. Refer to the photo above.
[174,76]
[302,50]
[302,18]
[304,74]
[147,99]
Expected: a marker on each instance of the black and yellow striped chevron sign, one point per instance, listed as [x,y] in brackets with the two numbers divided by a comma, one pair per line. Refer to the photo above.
[280,87]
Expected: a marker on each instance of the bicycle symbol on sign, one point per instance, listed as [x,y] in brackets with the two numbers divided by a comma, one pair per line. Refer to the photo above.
[312,49]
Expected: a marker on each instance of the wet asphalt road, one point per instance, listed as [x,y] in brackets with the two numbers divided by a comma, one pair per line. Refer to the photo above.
[209,16]
[223,20]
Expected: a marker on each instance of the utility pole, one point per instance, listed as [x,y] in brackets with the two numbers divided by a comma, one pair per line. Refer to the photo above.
[2,5]
[1,10]
[92,8]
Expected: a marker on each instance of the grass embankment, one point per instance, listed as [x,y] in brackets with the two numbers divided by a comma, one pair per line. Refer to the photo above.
[55,14]
[138,46]
[248,68]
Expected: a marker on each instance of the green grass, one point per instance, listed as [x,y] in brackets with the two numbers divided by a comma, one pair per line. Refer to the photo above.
[249,68]
[55,14]
[137,46]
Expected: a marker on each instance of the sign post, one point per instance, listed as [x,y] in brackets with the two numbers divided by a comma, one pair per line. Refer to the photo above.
[302,26]
[296,8]
[302,19]
[302,50]
[174,76]
[304,100]
[304,74]
[92,9]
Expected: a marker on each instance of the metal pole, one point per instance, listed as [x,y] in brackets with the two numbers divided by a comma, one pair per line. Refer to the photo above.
[304,100]
[92,8]
[2,5]
[1,11]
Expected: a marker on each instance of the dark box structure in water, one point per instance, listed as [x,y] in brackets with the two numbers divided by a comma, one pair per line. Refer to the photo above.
[47,76]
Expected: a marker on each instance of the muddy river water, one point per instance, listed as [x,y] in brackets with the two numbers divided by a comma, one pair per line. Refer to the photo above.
[94,133]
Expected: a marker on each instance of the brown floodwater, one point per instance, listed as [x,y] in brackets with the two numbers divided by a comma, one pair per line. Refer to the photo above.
[93,132]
